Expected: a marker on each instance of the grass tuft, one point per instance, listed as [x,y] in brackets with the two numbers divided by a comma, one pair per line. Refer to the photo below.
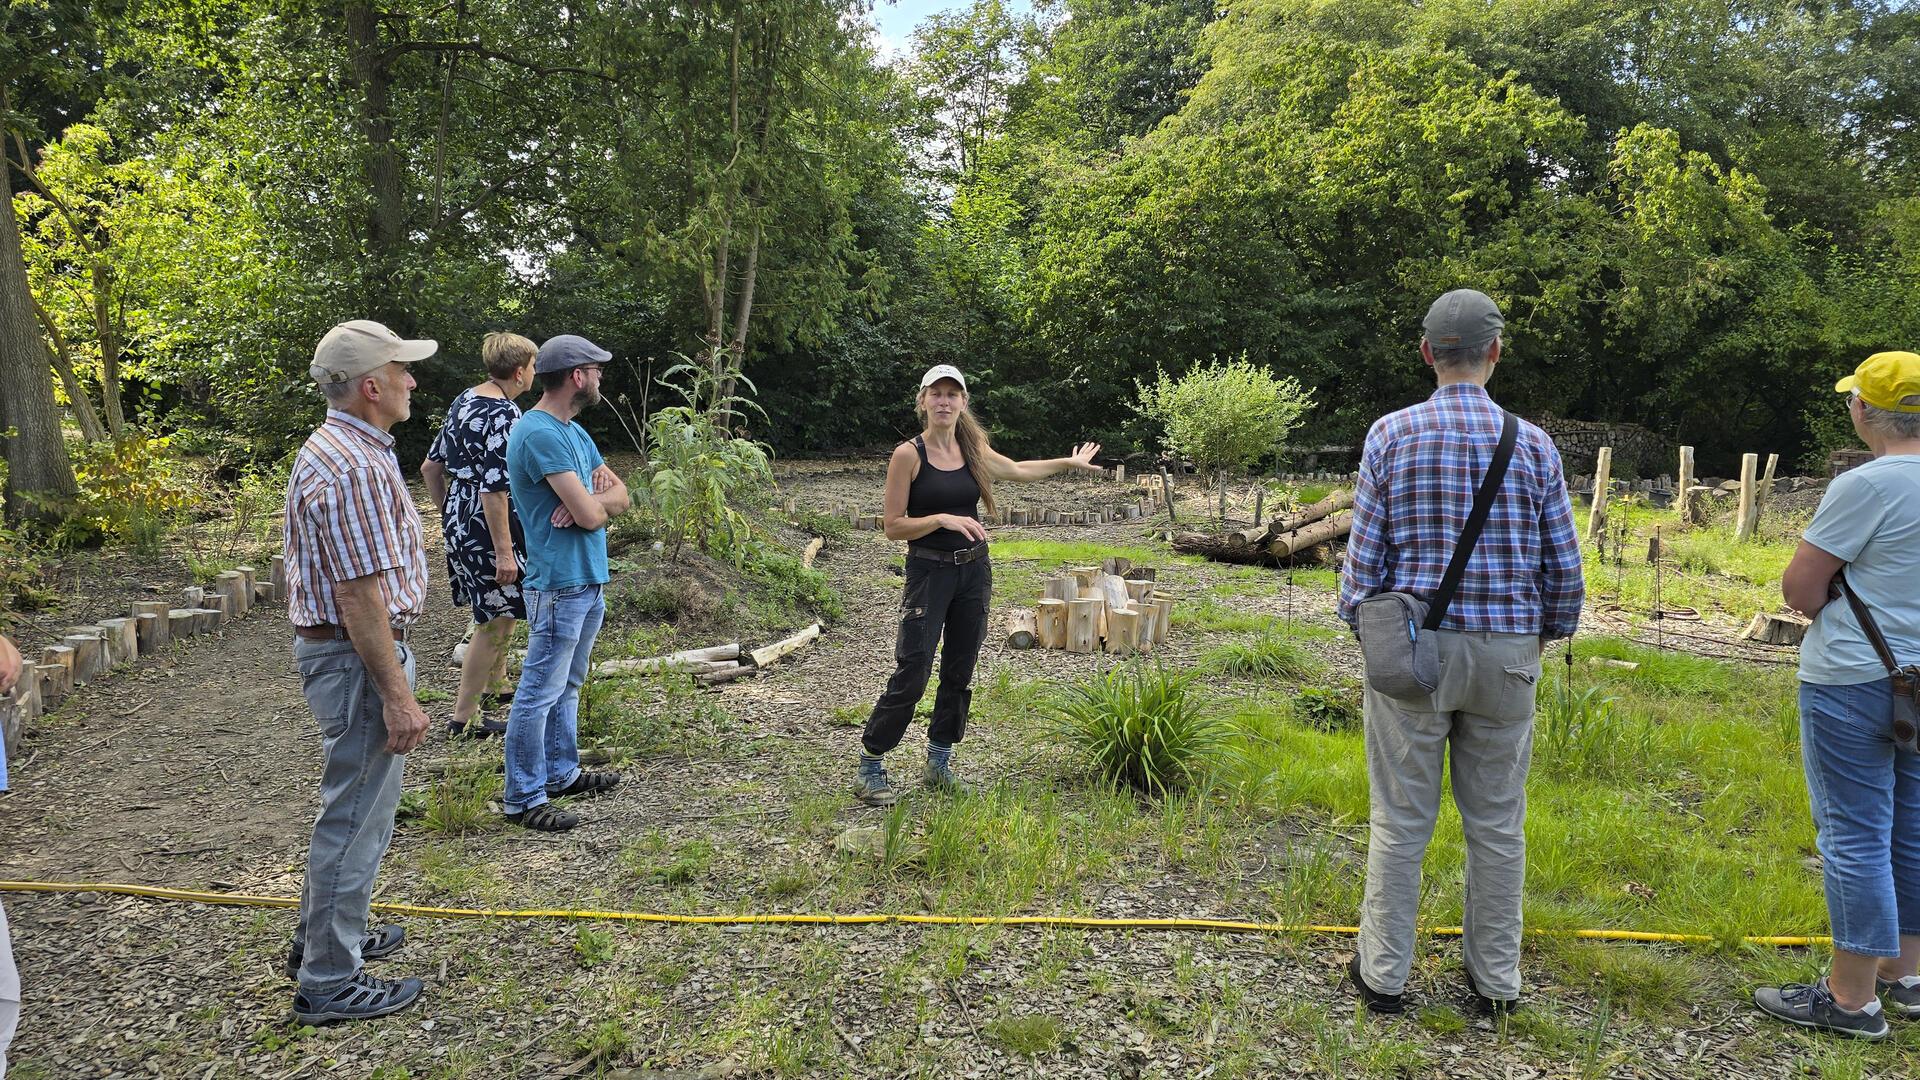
[1142,727]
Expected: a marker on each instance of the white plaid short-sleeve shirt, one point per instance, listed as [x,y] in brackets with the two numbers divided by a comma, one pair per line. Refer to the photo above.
[349,515]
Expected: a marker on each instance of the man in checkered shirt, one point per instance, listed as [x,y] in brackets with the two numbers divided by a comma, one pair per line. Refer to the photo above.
[1523,586]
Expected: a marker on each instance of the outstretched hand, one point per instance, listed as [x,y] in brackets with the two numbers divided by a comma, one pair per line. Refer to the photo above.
[1083,455]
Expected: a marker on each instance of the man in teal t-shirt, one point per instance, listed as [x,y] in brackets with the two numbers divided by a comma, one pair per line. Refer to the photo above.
[566,494]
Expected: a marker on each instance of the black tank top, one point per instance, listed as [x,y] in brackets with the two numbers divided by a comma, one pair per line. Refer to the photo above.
[942,491]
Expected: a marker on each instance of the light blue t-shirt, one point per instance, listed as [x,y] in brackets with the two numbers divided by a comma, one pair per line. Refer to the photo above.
[540,446]
[1870,519]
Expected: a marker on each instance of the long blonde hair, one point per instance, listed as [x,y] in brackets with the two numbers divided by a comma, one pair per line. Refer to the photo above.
[972,440]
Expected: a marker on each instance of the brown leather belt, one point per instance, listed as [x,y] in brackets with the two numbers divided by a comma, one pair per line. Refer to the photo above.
[961,557]
[330,632]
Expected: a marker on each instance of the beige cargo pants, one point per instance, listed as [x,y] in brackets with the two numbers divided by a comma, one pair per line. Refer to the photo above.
[1480,718]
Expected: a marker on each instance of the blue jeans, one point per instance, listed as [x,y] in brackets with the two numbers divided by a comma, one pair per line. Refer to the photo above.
[359,792]
[543,728]
[1866,803]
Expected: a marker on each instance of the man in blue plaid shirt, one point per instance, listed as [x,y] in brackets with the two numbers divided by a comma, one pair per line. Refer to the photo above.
[1523,586]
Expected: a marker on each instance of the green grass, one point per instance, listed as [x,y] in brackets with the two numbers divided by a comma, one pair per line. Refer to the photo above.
[1268,656]
[1073,553]
[1027,1036]
[1701,568]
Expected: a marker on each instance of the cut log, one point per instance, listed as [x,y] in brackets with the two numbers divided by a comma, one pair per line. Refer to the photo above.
[206,620]
[180,623]
[1143,573]
[1123,630]
[1083,624]
[89,647]
[220,608]
[249,581]
[1062,588]
[160,632]
[1083,575]
[61,656]
[147,627]
[768,654]
[1050,621]
[56,682]
[1164,622]
[1335,502]
[1022,629]
[1137,591]
[229,584]
[1784,628]
[1327,528]
[1116,566]
[123,640]
[1745,515]
[697,661]
[277,571]
[725,675]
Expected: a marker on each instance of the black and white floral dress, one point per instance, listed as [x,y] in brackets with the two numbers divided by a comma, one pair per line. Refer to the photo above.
[472,445]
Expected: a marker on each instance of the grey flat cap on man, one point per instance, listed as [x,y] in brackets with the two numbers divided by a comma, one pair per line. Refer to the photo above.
[1463,319]
[564,351]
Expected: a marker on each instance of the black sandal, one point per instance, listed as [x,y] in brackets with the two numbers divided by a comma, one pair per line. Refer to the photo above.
[477,728]
[588,783]
[544,818]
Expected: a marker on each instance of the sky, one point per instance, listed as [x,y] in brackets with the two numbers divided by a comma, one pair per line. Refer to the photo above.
[897,18]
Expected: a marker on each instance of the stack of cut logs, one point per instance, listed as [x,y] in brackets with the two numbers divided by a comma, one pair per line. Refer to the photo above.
[715,664]
[1112,607]
[86,653]
[1302,536]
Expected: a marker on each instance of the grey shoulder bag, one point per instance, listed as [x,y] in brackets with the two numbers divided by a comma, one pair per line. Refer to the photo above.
[1906,680]
[1395,628]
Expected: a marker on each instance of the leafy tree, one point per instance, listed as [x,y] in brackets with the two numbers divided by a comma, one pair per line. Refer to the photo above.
[1224,416]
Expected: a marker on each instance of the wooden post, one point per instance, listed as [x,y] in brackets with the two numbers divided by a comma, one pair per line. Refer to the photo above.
[1062,588]
[155,631]
[220,606]
[89,652]
[1166,483]
[248,576]
[208,619]
[1021,629]
[123,640]
[1123,630]
[1083,629]
[56,682]
[1120,474]
[277,575]
[1743,517]
[1686,483]
[1765,490]
[228,584]
[1137,590]
[180,623]
[1050,619]
[1602,488]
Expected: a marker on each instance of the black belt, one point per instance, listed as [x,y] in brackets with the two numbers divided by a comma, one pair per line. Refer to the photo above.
[957,558]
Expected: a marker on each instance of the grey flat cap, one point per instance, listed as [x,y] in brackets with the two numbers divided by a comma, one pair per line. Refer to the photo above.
[1463,319]
[565,351]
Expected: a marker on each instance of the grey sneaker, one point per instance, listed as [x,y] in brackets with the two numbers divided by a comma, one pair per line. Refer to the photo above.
[871,786]
[362,998]
[1813,1007]
[1902,996]
[940,777]
[380,941]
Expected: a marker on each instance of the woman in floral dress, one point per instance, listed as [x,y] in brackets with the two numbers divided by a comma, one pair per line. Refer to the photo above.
[466,472]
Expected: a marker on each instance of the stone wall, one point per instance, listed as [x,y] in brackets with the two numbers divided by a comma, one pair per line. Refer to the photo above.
[1636,451]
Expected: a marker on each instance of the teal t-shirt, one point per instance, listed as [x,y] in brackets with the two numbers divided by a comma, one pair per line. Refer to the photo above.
[540,446]
[1869,519]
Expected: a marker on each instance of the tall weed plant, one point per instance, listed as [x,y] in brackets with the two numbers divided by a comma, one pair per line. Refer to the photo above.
[1144,727]
[697,471]
[1588,734]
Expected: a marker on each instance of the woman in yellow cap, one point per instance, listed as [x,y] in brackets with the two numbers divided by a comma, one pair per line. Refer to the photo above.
[1858,738]
[935,485]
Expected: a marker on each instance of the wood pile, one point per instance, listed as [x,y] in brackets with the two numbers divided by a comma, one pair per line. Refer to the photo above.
[714,664]
[1302,536]
[1114,607]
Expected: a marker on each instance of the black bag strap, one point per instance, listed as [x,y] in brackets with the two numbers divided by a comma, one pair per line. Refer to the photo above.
[1872,628]
[1469,536]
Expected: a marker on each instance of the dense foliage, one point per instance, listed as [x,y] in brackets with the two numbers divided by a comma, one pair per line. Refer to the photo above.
[1695,212]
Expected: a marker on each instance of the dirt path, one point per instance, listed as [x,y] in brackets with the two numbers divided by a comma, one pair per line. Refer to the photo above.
[199,768]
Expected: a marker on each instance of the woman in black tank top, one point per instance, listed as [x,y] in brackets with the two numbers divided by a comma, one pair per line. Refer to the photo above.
[935,485]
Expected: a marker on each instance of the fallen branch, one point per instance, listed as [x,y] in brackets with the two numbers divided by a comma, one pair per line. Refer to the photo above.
[694,661]
[763,656]
[813,548]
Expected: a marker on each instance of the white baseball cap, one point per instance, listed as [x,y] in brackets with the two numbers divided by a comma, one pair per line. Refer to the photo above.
[942,371]
[361,347]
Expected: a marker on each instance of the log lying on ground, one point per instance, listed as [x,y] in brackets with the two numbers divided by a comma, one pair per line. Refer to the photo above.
[1259,536]
[813,548]
[1783,628]
[1333,527]
[763,656]
[725,675]
[696,661]
[1022,629]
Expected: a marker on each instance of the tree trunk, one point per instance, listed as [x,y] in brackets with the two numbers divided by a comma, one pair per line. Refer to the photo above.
[109,346]
[36,455]
[90,428]
[386,224]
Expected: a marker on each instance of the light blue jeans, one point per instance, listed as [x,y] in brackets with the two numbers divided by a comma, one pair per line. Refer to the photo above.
[543,729]
[359,792]
[1865,793]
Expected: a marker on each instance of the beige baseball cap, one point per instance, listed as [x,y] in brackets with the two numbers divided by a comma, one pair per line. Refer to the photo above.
[943,371]
[361,347]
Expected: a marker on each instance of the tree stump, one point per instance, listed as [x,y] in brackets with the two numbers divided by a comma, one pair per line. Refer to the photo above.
[1784,628]
[123,640]
[1083,624]
[161,632]
[180,623]
[1164,621]
[1123,630]
[1050,620]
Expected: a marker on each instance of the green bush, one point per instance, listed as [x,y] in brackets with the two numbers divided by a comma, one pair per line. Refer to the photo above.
[129,489]
[789,585]
[1142,727]
[1328,708]
[1224,415]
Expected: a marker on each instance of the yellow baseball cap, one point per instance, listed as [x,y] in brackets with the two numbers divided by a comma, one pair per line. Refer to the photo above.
[1886,380]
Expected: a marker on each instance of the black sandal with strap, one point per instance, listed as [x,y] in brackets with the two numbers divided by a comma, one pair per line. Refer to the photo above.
[544,818]
[588,783]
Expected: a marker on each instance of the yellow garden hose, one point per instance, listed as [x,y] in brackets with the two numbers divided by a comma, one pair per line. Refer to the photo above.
[1224,926]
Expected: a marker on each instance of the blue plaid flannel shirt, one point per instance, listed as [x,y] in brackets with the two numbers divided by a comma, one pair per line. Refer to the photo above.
[1418,474]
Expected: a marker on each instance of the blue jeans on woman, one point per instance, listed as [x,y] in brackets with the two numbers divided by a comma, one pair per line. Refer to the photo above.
[1865,793]
[543,728]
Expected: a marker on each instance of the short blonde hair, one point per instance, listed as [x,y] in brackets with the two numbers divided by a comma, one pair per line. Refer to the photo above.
[505,354]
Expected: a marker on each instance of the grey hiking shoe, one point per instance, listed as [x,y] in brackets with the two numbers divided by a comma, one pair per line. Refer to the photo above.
[1813,1007]
[362,998]
[380,941]
[871,786]
[939,776]
[1902,996]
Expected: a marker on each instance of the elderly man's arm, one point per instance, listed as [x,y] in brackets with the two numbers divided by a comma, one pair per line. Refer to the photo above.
[1365,572]
[1563,583]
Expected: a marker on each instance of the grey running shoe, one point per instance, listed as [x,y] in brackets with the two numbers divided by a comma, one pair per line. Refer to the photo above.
[872,786]
[1901,996]
[1813,1007]
[363,998]
[380,941]
[940,777]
